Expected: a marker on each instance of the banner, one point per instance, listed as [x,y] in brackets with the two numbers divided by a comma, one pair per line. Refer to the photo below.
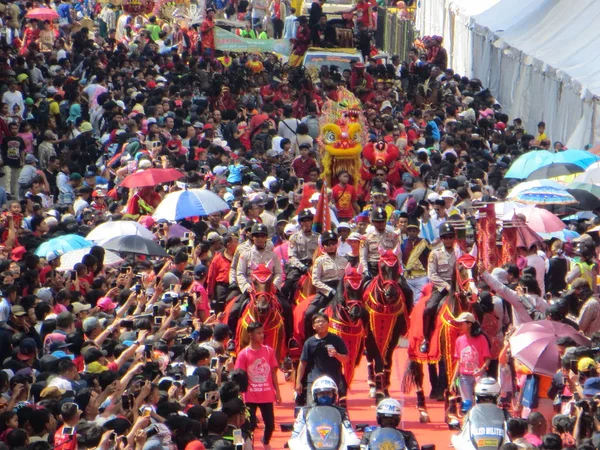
[231,42]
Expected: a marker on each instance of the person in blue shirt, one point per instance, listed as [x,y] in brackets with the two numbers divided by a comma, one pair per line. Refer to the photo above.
[236,172]
[435,130]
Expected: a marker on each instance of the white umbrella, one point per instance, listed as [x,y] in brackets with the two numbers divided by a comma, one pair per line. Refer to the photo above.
[189,203]
[506,210]
[514,192]
[69,259]
[591,174]
[109,230]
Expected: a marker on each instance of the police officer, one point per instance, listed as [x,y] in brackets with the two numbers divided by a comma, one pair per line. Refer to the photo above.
[243,247]
[380,237]
[301,247]
[327,272]
[389,415]
[257,254]
[440,270]
[415,254]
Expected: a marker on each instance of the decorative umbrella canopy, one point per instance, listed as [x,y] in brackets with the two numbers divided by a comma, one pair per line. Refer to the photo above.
[189,203]
[109,230]
[135,244]
[545,195]
[554,170]
[522,167]
[541,220]
[591,174]
[42,14]
[151,177]
[525,185]
[592,188]
[62,245]
[534,345]
[68,260]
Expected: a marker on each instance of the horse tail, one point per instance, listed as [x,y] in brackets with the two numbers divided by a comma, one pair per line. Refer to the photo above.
[412,377]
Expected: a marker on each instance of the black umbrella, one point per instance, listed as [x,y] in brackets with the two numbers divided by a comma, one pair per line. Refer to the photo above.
[586,201]
[135,244]
[554,170]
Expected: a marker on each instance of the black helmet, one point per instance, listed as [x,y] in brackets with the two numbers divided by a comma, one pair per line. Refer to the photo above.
[305,214]
[328,236]
[378,214]
[248,225]
[446,229]
[259,228]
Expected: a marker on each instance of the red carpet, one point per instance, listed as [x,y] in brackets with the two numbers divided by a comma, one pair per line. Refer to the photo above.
[362,408]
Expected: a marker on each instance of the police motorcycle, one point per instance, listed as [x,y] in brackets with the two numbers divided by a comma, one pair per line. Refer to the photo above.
[323,426]
[485,425]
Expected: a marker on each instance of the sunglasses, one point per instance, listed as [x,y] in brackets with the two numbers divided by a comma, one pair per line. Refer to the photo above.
[448,237]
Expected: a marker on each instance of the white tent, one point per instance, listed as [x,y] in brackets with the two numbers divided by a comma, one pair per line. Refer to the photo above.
[540,58]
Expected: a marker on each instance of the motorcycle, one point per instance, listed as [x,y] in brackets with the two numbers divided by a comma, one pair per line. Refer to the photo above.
[385,439]
[324,430]
[484,429]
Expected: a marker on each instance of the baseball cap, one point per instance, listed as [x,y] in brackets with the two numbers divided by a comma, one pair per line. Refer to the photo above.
[79,307]
[221,330]
[90,324]
[466,317]
[591,386]
[27,349]
[17,310]
[106,304]
[29,159]
[586,363]
[17,253]
[213,236]
[200,270]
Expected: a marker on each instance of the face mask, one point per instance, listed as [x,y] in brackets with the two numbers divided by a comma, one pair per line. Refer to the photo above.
[325,401]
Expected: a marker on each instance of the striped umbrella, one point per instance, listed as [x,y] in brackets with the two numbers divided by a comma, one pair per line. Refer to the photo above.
[545,195]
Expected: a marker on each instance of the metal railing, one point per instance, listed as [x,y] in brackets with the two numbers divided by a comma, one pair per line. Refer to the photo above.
[398,35]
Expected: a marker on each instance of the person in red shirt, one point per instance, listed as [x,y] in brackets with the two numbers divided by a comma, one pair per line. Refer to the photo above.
[363,14]
[345,198]
[361,83]
[301,43]
[217,281]
[208,34]
[303,163]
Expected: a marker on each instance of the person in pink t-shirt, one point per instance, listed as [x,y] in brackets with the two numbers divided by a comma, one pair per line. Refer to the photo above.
[472,352]
[258,361]
[201,303]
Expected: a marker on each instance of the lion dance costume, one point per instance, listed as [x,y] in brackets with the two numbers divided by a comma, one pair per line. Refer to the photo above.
[343,132]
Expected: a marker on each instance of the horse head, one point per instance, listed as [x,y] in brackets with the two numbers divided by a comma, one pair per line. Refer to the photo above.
[465,289]
[389,273]
[262,281]
[353,284]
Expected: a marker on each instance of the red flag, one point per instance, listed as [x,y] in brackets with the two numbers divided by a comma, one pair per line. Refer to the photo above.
[322,220]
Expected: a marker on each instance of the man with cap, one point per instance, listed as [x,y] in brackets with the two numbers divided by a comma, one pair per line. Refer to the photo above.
[588,307]
[256,255]
[344,231]
[17,323]
[241,248]
[217,280]
[415,252]
[301,247]
[440,271]
[379,238]
[327,272]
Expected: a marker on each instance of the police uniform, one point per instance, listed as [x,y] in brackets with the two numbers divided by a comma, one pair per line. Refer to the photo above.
[301,248]
[326,275]
[440,270]
[415,254]
[386,240]
[248,260]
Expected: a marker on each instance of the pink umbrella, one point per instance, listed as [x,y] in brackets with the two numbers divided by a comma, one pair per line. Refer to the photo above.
[534,345]
[541,220]
[151,177]
[42,14]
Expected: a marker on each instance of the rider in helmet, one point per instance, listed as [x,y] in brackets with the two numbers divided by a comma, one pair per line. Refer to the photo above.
[389,414]
[324,392]
[440,271]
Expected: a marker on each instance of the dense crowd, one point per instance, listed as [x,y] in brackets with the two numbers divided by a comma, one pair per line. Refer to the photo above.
[137,352]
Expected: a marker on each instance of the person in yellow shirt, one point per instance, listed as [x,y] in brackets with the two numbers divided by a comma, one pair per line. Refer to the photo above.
[541,132]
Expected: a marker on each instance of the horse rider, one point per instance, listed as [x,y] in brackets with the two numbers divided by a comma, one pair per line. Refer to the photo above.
[257,254]
[415,253]
[327,272]
[242,247]
[440,270]
[379,238]
[301,248]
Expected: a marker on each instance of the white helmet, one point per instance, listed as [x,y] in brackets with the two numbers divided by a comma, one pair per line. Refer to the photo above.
[323,384]
[389,408]
[487,387]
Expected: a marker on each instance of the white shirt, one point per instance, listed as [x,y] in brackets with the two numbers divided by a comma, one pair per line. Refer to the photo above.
[290,27]
[4,310]
[79,205]
[12,99]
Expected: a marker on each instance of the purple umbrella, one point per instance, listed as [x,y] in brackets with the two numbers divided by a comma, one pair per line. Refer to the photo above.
[534,345]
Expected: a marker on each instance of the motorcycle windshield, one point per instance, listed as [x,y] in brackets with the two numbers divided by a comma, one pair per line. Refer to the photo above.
[487,427]
[386,439]
[323,425]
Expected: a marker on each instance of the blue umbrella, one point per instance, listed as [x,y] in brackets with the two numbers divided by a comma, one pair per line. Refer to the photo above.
[545,195]
[63,244]
[581,158]
[565,235]
[522,167]
[189,203]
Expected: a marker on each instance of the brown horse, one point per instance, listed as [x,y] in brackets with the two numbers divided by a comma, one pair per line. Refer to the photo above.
[263,307]
[388,304]
[347,319]
[441,350]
